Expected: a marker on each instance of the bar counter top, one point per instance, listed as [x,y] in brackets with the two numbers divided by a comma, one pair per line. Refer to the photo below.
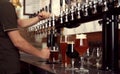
[55,68]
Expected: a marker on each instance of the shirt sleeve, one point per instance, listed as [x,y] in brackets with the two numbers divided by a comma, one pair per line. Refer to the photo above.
[8,17]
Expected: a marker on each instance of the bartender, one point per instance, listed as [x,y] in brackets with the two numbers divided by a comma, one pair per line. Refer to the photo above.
[11,41]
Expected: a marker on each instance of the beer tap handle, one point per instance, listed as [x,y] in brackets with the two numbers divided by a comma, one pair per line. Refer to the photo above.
[94,7]
[68,2]
[46,8]
[66,15]
[78,10]
[61,3]
[72,13]
[53,20]
[86,9]
[50,6]
[105,8]
[117,3]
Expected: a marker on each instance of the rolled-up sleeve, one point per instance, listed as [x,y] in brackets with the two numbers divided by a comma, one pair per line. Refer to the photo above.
[8,17]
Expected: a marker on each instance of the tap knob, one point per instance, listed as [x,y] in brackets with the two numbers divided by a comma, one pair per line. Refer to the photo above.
[66,15]
[49,22]
[49,25]
[86,9]
[94,7]
[105,8]
[116,3]
[72,13]
[46,26]
[61,17]
[78,11]
[99,6]
[90,6]
[53,20]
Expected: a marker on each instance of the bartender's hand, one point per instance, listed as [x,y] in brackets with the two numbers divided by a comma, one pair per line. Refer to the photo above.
[45,53]
[43,15]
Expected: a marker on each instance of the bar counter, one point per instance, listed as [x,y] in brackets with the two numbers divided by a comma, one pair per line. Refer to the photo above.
[39,66]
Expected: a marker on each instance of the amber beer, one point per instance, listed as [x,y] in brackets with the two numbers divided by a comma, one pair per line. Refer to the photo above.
[54,54]
[81,49]
[65,59]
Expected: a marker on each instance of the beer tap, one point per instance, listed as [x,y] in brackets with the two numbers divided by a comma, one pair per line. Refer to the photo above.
[61,17]
[90,7]
[99,6]
[46,27]
[49,19]
[78,8]
[53,28]
[46,22]
[48,33]
[53,22]
[66,13]
[49,28]
[119,3]
[48,36]
[116,4]
[49,25]
[40,30]
[50,6]
[61,12]
[72,13]
[86,9]
[67,4]
[73,10]
[94,10]
[104,8]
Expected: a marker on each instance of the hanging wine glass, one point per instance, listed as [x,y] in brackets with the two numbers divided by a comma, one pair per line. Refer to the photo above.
[81,46]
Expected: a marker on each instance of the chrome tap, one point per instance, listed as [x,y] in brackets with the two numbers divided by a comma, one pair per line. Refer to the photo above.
[72,13]
[86,9]
[66,14]
[94,7]
[78,10]
[61,17]
[105,8]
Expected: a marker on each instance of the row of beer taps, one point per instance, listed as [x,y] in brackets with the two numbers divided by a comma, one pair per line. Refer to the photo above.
[69,17]
[77,9]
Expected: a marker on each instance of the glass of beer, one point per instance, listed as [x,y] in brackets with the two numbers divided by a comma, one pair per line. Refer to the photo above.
[81,46]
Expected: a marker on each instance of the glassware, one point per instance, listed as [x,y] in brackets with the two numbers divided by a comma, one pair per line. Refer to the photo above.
[81,46]
[89,54]
[54,56]
[98,55]
[63,47]
[72,54]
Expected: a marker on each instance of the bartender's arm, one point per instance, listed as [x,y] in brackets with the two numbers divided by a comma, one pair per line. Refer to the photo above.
[31,21]
[23,45]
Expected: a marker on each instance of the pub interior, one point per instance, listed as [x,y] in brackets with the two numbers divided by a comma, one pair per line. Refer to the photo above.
[83,36]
